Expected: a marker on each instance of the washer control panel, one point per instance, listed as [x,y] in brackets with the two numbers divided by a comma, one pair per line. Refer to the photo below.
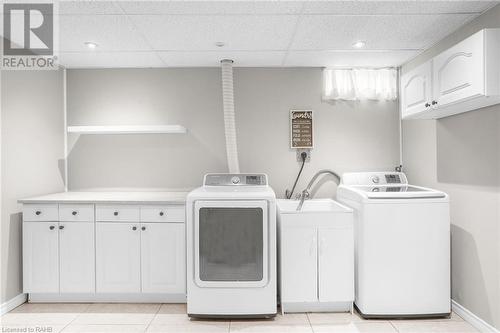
[228,179]
[374,178]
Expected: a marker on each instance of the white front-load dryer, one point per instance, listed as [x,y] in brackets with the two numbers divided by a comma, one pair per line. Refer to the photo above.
[402,245]
[231,247]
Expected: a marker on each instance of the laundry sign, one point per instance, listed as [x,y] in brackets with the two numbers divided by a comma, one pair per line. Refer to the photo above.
[301,129]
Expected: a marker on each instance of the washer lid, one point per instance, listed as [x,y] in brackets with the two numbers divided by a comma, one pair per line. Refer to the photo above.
[399,192]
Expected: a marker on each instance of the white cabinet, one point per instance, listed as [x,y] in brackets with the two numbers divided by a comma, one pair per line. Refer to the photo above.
[459,71]
[76,257]
[131,252]
[163,258]
[464,77]
[40,257]
[335,245]
[118,266]
[298,254]
[416,90]
[316,263]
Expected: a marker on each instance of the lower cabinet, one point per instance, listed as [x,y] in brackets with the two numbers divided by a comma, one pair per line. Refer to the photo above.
[316,267]
[140,257]
[118,257]
[92,259]
[163,258]
[40,257]
[76,257]
[58,257]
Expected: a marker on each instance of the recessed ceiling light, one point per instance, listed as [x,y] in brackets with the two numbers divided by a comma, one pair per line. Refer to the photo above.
[219,44]
[359,44]
[90,45]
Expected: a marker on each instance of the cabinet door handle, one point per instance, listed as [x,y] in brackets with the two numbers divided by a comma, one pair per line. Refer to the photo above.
[74,213]
[51,227]
[162,213]
[61,227]
[313,246]
[38,212]
[434,102]
[143,228]
[427,105]
[115,213]
[134,228]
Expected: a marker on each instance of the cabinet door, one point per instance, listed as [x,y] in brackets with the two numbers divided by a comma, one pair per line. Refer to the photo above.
[458,73]
[76,263]
[163,258]
[118,267]
[298,264]
[336,264]
[40,257]
[416,90]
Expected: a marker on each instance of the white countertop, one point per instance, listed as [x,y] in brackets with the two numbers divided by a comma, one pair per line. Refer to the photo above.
[110,197]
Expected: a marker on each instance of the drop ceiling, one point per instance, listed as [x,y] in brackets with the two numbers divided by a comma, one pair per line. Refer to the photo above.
[255,33]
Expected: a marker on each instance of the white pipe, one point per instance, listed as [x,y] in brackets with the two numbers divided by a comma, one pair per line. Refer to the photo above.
[229,117]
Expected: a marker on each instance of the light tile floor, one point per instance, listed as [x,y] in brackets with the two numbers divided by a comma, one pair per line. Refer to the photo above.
[53,318]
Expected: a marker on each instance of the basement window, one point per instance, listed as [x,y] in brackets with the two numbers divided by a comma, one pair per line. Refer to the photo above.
[360,84]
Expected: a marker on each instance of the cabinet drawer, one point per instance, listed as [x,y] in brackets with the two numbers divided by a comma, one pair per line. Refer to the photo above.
[40,212]
[167,213]
[77,213]
[119,213]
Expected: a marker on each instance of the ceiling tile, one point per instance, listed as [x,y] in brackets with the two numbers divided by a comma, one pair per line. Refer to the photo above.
[328,32]
[88,7]
[395,7]
[171,32]
[348,58]
[211,7]
[110,60]
[213,58]
[110,32]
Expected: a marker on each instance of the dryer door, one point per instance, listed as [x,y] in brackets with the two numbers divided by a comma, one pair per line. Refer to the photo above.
[231,243]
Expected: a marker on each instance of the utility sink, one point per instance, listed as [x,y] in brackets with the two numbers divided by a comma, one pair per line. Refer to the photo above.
[312,206]
[315,256]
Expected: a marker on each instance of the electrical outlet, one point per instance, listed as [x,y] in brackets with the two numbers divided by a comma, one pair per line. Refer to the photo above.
[300,151]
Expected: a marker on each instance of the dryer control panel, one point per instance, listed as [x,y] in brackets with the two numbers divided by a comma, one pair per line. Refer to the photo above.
[232,179]
[374,178]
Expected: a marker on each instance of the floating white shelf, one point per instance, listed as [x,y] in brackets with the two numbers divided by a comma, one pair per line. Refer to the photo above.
[153,129]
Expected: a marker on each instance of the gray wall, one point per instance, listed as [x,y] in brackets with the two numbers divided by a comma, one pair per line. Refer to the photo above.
[461,156]
[348,136]
[32,148]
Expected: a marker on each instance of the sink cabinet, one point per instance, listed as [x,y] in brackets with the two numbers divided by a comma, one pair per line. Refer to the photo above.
[316,259]
[101,252]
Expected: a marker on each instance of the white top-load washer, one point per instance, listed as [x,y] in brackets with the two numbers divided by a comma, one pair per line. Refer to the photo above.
[231,247]
[402,245]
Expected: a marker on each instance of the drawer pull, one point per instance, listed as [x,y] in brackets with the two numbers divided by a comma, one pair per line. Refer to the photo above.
[51,227]
[161,213]
[115,213]
[143,228]
[134,228]
[61,227]
[74,213]
[38,212]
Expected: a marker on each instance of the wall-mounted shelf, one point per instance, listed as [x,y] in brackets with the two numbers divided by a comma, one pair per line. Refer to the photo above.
[153,129]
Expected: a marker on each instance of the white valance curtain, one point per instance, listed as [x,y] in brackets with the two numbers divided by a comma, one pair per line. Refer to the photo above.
[359,84]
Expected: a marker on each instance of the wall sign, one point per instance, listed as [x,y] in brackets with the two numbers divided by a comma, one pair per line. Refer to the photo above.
[301,129]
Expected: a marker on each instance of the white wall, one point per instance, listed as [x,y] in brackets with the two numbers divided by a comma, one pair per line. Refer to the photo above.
[32,151]
[348,136]
[461,156]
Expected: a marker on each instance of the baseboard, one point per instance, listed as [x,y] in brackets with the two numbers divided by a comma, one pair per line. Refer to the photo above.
[472,319]
[107,298]
[12,303]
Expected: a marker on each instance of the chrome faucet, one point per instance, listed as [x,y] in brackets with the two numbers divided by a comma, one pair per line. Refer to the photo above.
[306,193]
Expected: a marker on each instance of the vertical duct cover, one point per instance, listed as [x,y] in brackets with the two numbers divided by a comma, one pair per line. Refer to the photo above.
[229,118]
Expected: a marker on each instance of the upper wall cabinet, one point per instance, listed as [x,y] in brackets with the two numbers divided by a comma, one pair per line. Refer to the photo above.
[463,78]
